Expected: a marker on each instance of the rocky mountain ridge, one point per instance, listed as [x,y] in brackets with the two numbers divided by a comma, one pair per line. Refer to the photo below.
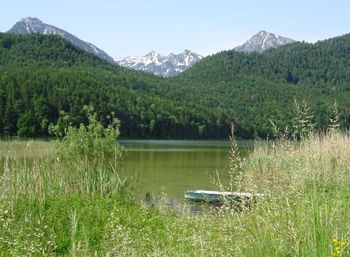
[161,65]
[30,25]
[262,41]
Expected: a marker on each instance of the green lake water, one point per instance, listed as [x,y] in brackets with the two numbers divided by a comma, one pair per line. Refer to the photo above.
[174,166]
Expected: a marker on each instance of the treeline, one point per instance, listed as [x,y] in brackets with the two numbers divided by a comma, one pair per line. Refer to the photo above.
[256,87]
[43,75]
[31,99]
[252,101]
[323,62]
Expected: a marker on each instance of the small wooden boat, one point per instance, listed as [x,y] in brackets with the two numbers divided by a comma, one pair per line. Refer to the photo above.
[220,196]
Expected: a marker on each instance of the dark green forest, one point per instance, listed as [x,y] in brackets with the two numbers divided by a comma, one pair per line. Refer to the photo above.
[40,76]
[43,75]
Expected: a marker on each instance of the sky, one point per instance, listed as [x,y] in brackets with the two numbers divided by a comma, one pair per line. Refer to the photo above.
[136,27]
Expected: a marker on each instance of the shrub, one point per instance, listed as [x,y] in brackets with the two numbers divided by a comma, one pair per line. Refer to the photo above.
[93,143]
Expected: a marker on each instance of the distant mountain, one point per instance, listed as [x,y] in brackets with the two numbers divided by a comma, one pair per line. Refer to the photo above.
[33,25]
[165,66]
[262,41]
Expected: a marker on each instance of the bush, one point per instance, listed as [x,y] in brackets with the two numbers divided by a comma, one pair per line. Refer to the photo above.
[91,144]
[90,154]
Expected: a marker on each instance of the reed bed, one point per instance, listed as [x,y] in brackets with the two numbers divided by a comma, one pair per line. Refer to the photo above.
[51,206]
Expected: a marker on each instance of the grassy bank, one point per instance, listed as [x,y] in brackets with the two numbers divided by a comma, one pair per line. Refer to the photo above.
[54,206]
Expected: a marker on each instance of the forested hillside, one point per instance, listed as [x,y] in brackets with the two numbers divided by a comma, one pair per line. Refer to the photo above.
[323,62]
[258,86]
[42,75]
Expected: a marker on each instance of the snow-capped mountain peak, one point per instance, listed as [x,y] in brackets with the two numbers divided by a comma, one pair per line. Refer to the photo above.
[161,65]
[262,41]
[30,25]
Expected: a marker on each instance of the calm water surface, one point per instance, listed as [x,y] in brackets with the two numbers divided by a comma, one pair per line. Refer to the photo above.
[173,166]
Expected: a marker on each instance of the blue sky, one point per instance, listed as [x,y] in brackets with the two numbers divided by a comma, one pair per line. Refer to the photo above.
[135,27]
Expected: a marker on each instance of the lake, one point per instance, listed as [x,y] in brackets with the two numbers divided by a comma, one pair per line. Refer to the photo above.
[175,166]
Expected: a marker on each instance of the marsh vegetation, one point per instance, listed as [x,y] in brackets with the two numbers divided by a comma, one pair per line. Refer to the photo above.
[65,201]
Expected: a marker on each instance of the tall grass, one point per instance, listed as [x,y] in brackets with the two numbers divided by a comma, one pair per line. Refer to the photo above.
[307,195]
[75,179]
[52,205]
[305,211]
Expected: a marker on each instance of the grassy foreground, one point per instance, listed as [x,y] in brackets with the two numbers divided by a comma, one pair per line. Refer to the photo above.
[56,206]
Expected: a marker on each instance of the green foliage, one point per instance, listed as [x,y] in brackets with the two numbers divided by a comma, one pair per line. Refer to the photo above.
[261,86]
[323,63]
[59,129]
[45,51]
[45,212]
[43,75]
[92,152]
[91,144]
[47,75]
[26,125]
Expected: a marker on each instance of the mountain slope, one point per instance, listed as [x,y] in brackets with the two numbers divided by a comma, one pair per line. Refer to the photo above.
[326,61]
[256,87]
[164,66]
[262,41]
[30,25]
[43,75]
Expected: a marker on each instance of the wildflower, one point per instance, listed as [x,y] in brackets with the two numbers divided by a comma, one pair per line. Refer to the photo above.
[339,247]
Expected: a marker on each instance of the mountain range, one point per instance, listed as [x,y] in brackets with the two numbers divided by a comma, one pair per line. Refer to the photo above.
[153,62]
[164,66]
[172,64]
[30,25]
[43,75]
